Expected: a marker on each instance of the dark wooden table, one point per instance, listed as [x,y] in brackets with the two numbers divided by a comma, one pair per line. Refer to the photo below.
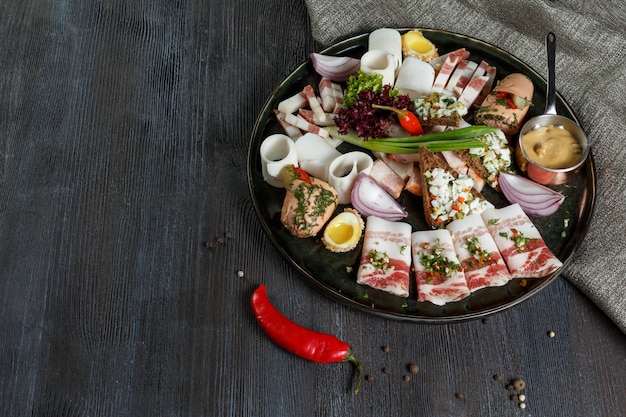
[125,218]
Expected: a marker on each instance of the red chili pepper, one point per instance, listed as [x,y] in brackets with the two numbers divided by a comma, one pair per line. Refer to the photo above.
[408,120]
[508,99]
[308,344]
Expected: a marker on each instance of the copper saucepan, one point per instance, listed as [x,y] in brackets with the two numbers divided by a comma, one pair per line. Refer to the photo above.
[534,170]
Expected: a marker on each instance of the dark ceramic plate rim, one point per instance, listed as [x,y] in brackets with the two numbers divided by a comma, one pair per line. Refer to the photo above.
[267,202]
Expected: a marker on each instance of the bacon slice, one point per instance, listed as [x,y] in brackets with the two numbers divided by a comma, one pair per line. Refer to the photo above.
[441,80]
[403,169]
[464,78]
[522,247]
[414,183]
[390,243]
[301,123]
[387,178]
[314,102]
[311,117]
[434,284]
[490,73]
[482,263]
[290,130]
[473,90]
[480,70]
[293,103]
[338,93]
[327,95]
[456,74]
[437,63]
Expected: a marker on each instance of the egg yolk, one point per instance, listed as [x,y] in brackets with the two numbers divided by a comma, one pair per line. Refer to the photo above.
[420,45]
[340,232]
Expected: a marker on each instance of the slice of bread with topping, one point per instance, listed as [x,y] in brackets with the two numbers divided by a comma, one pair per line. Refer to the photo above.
[447,195]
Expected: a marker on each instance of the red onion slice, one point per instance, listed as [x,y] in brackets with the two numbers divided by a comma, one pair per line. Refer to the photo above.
[535,199]
[369,199]
[335,68]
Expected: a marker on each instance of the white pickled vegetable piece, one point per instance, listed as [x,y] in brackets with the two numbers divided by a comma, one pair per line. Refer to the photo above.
[315,155]
[380,62]
[388,40]
[415,78]
[343,171]
[277,151]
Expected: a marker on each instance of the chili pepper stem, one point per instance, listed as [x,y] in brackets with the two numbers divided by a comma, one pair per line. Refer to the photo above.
[359,371]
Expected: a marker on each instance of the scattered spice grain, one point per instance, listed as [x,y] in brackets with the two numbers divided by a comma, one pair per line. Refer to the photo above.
[386,349]
[519,384]
[406,378]
[551,333]
[414,368]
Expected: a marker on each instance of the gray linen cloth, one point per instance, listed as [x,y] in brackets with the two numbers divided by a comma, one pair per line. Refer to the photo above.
[590,75]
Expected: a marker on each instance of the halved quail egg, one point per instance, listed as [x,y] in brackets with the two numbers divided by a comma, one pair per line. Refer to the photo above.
[415,44]
[343,232]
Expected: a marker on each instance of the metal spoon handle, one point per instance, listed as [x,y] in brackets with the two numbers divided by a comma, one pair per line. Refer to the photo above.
[550,94]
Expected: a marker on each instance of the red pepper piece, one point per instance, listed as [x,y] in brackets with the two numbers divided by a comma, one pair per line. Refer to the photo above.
[508,99]
[408,120]
[302,175]
[305,343]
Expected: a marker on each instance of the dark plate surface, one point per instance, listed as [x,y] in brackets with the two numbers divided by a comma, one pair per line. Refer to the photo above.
[328,272]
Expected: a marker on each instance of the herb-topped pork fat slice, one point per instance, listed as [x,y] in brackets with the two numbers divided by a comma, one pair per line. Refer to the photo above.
[478,253]
[438,272]
[386,257]
[520,243]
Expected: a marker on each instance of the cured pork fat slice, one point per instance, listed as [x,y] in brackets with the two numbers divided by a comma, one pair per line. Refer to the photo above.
[522,247]
[386,256]
[438,273]
[478,253]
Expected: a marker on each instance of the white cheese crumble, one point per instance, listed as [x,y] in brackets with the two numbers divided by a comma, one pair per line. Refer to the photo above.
[451,198]
[496,156]
[439,105]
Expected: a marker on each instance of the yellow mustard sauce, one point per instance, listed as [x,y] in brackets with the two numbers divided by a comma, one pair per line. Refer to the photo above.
[552,147]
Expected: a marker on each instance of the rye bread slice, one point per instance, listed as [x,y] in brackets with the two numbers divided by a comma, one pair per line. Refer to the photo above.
[454,121]
[429,161]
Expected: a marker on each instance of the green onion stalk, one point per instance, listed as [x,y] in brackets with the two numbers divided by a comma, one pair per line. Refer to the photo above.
[449,140]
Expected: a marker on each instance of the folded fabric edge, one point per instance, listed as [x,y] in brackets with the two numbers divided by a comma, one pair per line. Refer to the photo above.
[610,299]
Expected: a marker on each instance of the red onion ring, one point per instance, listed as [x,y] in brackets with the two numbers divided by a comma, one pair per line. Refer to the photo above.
[335,68]
[370,199]
[535,199]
